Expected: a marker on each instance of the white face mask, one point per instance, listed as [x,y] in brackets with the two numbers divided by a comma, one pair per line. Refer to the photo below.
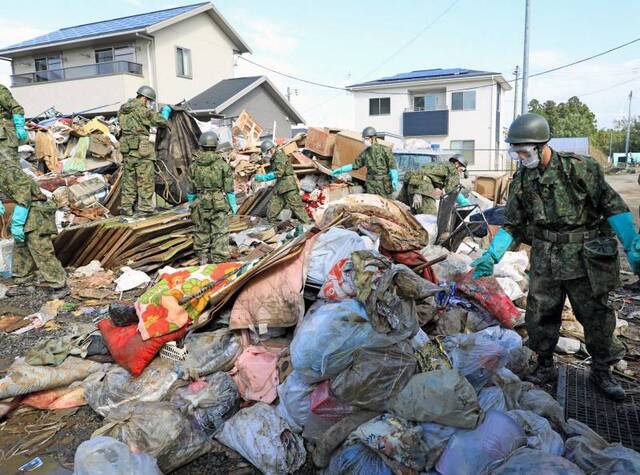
[367,142]
[526,154]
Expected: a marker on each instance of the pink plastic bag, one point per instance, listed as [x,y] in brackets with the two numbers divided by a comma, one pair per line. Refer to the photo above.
[325,404]
[256,374]
[487,292]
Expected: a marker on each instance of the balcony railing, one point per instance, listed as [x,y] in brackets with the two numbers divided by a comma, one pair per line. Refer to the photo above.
[419,123]
[77,72]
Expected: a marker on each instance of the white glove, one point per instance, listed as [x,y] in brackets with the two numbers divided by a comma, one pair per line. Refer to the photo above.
[417,201]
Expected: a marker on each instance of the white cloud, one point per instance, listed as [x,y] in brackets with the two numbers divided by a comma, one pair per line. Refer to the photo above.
[13,32]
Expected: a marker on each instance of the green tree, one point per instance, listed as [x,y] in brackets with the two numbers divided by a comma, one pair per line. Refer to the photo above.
[566,119]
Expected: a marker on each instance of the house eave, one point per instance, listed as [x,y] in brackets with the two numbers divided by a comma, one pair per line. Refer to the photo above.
[413,84]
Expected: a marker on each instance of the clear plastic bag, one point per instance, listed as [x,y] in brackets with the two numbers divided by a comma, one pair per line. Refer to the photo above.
[471,451]
[329,334]
[480,355]
[533,462]
[118,387]
[357,459]
[158,429]
[492,398]
[209,401]
[540,435]
[210,352]
[107,456]
[262,437]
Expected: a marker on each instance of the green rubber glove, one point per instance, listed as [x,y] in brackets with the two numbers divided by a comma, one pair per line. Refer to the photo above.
[233,204]
[498,247]
[21,133]
[265,176]
[462,200]
[2,208]
[342,169]
[18,220]
[625,229]
[395,182]
[191,197]
[166,111]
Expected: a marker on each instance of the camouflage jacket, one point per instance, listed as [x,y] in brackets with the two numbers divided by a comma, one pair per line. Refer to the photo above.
[8,107]
[21,188]
[570,195]
[440,175]
[136,120]
[211,178]
[378,159]
[285,176]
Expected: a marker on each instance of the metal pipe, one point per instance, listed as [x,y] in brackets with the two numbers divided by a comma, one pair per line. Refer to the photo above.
[515,92]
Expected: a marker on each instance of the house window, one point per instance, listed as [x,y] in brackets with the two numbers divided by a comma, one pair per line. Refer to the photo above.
[107,59]
[466,148]
[183,62]
[463,101]
[49,68]
[428,102]
[380,106]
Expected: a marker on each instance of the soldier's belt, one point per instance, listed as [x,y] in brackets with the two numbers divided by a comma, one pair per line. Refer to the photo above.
[567,238]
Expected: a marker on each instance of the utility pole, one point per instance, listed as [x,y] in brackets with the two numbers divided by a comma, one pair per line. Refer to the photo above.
[515,93]
[525,59]
[611,146]
[626,145]
[291,92]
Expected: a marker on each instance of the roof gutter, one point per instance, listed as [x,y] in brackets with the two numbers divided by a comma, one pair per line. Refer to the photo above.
[414,83]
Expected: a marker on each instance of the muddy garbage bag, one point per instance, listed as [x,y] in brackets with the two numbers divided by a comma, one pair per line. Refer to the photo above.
[471,451]
[375,375]
[328,249]
[492,398]
[435,438]
[210,352]
[443,396]
[478,356]
[329,335]
[395,438]
[262,437]
[595,455]
[540,435]
[533,462]
[107,456]
[118,387]
[487,292]
[357,459]
[158,429]
[209,401]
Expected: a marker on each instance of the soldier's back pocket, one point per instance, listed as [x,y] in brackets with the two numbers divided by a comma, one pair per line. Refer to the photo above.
[602,263]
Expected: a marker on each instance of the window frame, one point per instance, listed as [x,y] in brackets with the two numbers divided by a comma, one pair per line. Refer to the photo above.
[46,76]
[180,64]
[379,101]
[468,153]
[463,94]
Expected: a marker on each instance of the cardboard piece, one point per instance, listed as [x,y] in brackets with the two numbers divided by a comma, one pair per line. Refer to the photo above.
[321,141]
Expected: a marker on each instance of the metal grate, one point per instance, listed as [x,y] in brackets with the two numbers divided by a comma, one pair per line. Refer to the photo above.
[614,421]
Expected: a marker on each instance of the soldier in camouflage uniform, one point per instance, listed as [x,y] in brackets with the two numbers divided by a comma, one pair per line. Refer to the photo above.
[212,196]
[285,191]
[136,118]
[561,204]
[32,225]
[423,183]
[382,171]
[12,130]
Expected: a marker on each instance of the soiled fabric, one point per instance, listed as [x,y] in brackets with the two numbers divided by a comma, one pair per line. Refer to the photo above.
[55,350]
[256,374]
[274,298]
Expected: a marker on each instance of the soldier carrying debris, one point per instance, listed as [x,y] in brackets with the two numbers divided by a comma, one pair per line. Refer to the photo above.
[212,185]
[382,171]
[136,118]
[431,180]
[561,204]
[285,191]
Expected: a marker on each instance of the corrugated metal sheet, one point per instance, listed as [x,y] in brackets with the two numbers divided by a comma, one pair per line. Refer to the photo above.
[577,145]
[99,28]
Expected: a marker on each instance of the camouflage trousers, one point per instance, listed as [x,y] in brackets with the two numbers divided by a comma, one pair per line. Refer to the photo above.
[428,206]
[544,316]
[211,234]
[290,199]
[8,153]
[37,252]
[380,187]
[138,184]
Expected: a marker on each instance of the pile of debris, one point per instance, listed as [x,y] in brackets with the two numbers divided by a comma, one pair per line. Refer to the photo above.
[341,346]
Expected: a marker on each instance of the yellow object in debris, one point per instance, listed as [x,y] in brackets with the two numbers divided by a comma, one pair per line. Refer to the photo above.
[94,125]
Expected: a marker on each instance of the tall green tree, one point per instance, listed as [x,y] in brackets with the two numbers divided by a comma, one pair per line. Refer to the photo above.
[566,119]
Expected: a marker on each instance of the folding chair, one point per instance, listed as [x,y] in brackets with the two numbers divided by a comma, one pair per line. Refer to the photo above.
[452,224]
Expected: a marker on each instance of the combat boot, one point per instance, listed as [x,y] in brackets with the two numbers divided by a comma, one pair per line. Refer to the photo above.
[602,378]
[126,212]
[545,372]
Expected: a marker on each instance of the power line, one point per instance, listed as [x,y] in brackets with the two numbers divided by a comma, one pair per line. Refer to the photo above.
[610,87]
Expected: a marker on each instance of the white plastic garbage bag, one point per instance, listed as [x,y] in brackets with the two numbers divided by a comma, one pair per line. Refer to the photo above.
[261,436]
[471,451]
[443,396]
[540,435]
[492,398]
[329,248]
[130,279]
[533,462]
[107,456]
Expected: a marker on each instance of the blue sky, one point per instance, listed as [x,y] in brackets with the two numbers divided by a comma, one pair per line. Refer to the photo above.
[340,42]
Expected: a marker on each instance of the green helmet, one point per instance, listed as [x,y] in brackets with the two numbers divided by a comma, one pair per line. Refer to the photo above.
[529,128]
[458,157]
[146,91]
[368,132]
[208,140]
[267,145]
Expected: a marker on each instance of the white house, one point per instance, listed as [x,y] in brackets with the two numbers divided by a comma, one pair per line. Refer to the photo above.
[95,67]
[456,109]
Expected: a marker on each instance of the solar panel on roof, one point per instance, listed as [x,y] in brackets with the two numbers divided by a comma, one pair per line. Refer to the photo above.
[105,27]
